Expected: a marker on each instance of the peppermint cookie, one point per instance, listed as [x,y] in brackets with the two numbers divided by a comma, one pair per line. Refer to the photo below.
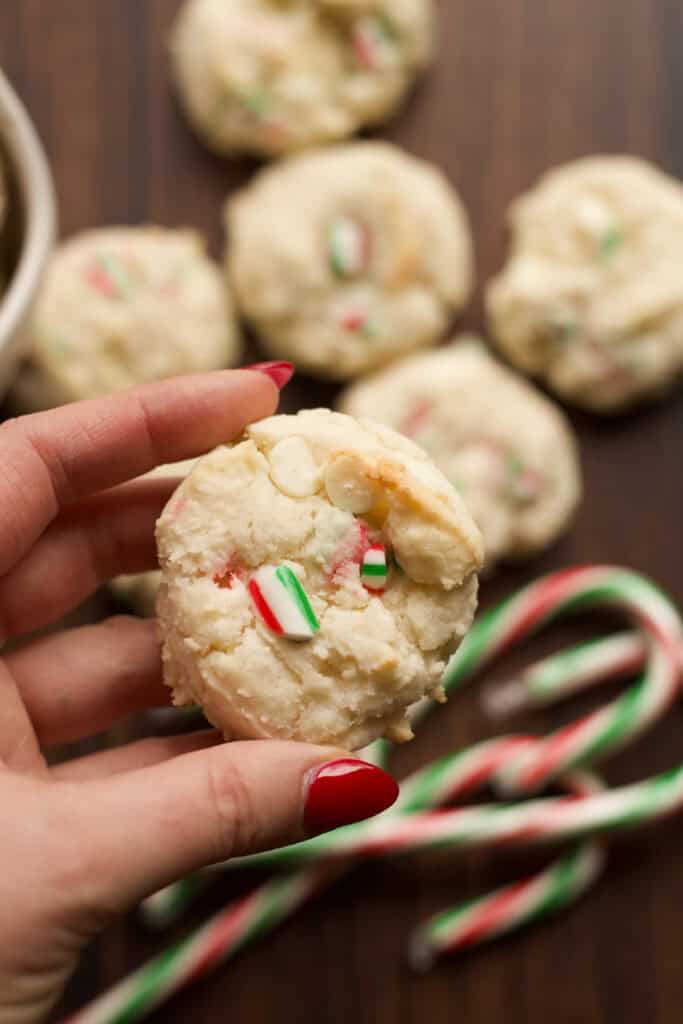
[272,76]
[121,306]
[348,257]
[509,451]
[591,299]
[316,576]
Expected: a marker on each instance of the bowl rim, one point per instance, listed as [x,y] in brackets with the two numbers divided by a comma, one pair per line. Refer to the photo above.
[29,166]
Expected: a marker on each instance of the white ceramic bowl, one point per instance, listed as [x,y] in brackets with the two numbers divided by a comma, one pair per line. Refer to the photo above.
[30,228]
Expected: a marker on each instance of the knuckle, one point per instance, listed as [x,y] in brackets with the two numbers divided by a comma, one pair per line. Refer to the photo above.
[148,431]
[233,809]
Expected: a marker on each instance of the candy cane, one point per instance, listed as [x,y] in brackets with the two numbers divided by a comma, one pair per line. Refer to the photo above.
[544,820]
[599,734]
[506,910]
[566,673]
[514,906]
[221,938]
[247,919]
[409,826]
[478,921]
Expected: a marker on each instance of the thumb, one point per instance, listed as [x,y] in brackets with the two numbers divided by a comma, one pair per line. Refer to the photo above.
[143,829]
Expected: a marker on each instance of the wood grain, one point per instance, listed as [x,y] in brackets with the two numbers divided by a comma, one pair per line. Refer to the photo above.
[520,85]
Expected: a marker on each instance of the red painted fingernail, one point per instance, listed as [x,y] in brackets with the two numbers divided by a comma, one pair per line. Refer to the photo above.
[345,791]
[279,373]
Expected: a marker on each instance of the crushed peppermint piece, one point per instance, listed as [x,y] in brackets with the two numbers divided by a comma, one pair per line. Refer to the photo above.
[351,550]
[107,275]
[524,481]
[358,321]
[225,580]
[348,247]
[282,603]
[374,41]
[257,101]
[415,418]
[373,571]
[610,241]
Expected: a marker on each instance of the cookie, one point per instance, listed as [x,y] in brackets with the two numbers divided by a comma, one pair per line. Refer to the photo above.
[591,299]
[347,257]
[5,243]
[509,450]
[3,194]
[316,576]
[139,590]
[273,76]
[122,306]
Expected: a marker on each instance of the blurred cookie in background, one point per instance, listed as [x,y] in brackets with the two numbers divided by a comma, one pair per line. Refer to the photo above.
[121,306]
[272,76]
[507,449]
[347,257]
[3,215]
[591,299]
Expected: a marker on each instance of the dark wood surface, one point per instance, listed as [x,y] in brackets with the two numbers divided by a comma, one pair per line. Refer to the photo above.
[520,85]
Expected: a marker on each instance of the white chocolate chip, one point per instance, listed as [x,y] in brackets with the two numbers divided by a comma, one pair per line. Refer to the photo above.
[347,488]
[293,469]
[593,216]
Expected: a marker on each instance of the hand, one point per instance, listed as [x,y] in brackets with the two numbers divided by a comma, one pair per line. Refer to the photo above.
[88,838]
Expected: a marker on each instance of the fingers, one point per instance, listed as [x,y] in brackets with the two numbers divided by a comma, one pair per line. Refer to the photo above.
[133,756]
[19,749]
[140,830]
[77,682]
[88,544]
[52,459]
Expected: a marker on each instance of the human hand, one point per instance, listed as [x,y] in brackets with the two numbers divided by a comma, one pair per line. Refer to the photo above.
[86,839]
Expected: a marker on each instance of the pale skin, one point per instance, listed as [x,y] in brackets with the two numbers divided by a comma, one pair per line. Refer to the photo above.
[85,840]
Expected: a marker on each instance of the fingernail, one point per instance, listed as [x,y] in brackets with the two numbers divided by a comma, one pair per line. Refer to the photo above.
[345,791]
[279,373]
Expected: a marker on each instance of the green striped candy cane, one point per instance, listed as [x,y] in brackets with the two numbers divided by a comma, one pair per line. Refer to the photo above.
[597,735]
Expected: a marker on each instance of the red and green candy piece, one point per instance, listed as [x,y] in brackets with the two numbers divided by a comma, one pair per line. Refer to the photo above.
[108,275]
[374,41]
[349,246]
[282,603]
[374,569]
[357,550]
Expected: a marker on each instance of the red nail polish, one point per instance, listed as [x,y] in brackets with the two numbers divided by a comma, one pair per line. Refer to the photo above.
[279,373]
[345,791]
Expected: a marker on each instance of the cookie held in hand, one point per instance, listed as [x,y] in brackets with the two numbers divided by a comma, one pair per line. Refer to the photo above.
[316,576]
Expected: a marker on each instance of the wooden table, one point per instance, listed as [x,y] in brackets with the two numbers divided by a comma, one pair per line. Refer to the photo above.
[520,85]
